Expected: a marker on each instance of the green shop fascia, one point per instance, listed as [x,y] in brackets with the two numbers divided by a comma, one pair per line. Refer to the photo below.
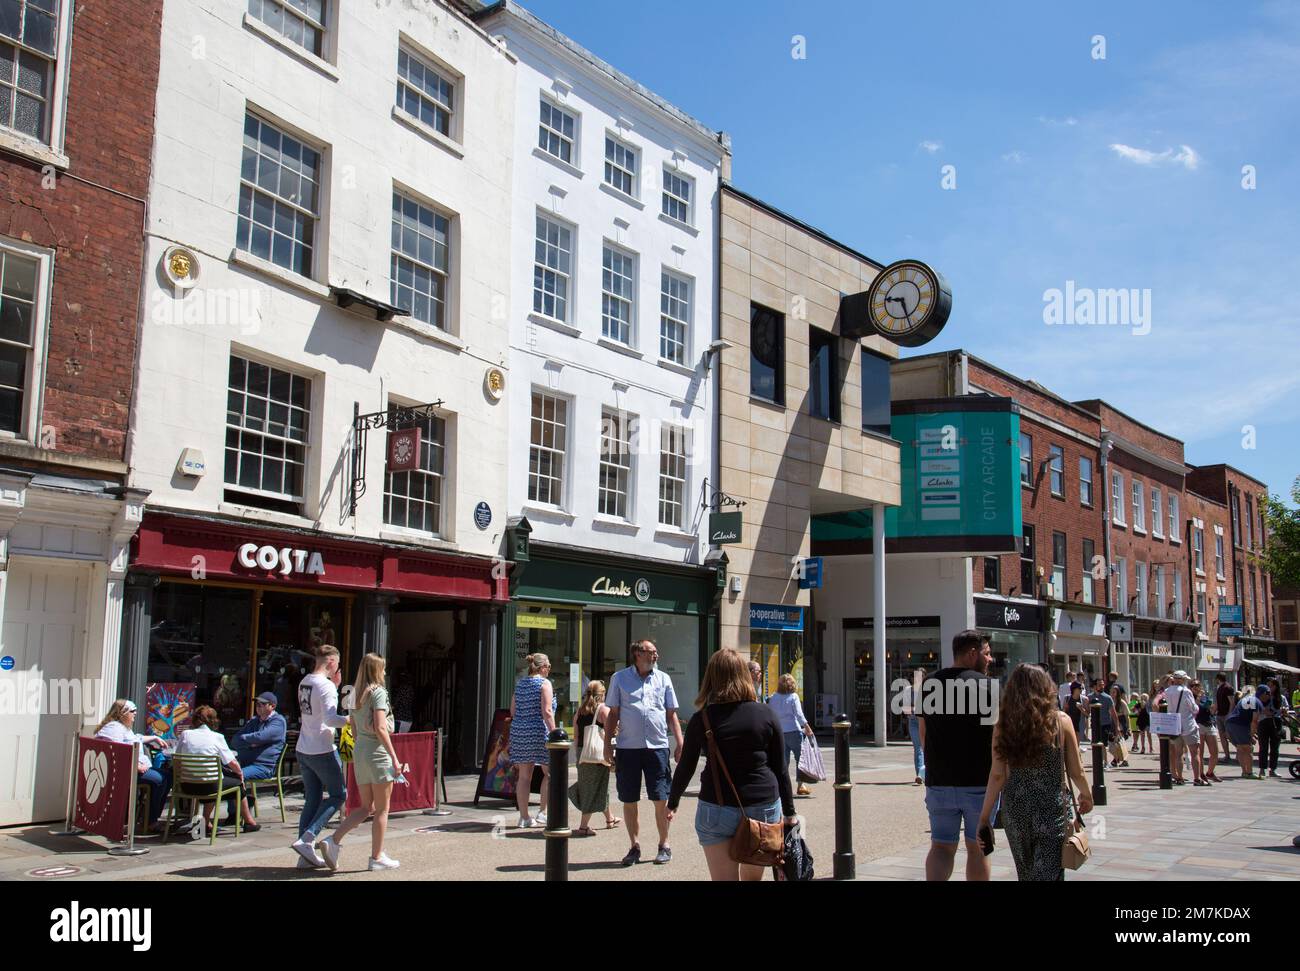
[582,608]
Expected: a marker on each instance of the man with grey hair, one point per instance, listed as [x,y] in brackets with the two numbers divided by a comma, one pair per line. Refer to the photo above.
[756,672]
[643,705]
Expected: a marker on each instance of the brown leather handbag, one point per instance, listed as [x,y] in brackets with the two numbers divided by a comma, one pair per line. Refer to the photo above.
[1075,850]
[756,843]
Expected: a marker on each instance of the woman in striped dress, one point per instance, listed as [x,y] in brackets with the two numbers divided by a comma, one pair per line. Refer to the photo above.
[532,718]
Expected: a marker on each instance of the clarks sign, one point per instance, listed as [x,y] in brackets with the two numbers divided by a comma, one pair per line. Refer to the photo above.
[605,587]
[724,527]
[284,560]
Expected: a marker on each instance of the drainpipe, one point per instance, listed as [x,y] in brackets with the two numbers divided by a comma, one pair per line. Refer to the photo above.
[1104,464]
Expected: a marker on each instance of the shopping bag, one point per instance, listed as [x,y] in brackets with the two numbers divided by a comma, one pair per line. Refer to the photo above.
[1119,750]
[811,768]
[798,863]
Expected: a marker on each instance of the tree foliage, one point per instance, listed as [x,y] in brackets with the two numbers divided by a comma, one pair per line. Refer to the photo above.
[1281,556]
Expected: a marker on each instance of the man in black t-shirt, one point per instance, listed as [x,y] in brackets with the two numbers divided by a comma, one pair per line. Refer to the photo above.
[956,710]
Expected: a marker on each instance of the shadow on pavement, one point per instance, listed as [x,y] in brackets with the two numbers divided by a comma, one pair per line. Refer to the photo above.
[541,868]
[251,873]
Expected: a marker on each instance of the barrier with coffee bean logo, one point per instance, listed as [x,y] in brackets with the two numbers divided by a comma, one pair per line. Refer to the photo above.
[104,780]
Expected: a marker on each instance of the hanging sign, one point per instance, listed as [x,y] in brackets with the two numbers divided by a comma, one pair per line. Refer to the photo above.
[724,527]
[404,450]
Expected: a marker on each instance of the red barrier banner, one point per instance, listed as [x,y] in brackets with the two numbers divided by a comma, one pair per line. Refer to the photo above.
[418,752]
[105,781]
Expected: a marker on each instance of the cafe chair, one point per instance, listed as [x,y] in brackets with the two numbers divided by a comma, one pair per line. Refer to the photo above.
[276,780]
[198,779]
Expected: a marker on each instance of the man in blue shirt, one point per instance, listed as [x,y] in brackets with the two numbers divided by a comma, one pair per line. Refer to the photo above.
[642,708]
[258,744]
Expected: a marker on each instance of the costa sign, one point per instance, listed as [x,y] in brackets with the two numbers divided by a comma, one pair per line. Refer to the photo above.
[284,560]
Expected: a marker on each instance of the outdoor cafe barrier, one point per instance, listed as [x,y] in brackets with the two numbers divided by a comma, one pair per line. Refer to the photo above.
[418,754]
[102,792]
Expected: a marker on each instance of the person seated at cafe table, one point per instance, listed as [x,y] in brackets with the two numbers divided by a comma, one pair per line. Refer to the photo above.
[259,743]
[203,739]
[117,727]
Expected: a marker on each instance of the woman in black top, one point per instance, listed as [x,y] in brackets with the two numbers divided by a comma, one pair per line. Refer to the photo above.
[750,744]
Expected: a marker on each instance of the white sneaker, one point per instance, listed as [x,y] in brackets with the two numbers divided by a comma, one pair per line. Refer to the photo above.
[330,851]
[540,819]
[308,853]
[526,823]
[304,864]
[385,862]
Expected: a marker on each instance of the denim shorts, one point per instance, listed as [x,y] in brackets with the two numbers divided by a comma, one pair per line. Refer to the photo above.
[949,806]
[717,824]
[631,764]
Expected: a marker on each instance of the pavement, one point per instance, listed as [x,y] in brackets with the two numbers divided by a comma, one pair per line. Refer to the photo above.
[1241,829]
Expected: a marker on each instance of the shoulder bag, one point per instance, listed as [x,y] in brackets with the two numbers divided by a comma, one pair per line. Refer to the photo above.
[1075,850]
[593,744]
[756,843]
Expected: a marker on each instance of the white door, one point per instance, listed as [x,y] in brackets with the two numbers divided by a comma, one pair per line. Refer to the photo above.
[45,633]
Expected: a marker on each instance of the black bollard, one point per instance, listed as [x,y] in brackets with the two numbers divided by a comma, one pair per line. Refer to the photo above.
[557,816]
[1098,759]
[845,865]
[1166,777]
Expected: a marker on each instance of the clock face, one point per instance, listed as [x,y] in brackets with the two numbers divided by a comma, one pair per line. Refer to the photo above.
[909,303]
[402,450]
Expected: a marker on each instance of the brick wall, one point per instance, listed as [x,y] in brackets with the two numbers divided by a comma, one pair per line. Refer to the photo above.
[1040,509]
[96,233]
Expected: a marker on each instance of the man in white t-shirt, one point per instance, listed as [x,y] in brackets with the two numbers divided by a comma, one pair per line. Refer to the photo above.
[1063,690]
[1180,701]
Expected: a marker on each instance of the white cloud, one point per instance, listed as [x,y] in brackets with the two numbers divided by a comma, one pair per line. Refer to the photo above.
[1015,156]
[1185,156]
[930,146]
[1068,121]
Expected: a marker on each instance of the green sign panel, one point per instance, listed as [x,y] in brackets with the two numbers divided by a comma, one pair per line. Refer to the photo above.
[959,482]
[618,586]
[724,527]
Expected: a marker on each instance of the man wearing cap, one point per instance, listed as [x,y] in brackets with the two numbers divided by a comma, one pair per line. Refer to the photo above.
[1180,701]
[259,743]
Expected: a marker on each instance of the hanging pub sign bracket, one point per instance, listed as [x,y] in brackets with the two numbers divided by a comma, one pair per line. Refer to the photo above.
[716,499]
[396,418]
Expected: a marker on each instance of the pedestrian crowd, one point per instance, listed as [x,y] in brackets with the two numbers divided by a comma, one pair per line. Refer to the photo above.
[1022,768]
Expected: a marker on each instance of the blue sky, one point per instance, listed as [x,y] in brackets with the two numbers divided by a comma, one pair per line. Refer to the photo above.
[1123,172]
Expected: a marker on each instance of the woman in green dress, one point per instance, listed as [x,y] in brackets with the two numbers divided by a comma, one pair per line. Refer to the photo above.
[591,792]
[374,762]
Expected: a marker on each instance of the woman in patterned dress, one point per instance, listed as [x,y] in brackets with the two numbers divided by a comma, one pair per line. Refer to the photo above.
[532,718]
[1030,739]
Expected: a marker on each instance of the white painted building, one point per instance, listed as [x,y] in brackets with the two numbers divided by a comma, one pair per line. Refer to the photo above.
[612,313]
[324,164]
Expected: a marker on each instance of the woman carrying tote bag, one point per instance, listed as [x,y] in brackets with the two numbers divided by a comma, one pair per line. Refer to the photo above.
[744,778]
[1034,749]
[590,794]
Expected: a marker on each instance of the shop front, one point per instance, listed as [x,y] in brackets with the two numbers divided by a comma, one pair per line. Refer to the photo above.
[1146,649]
[776,644]
[912,644]
[221,611]
[1015,634]
[1077,642]
[583,609]
[1216,659]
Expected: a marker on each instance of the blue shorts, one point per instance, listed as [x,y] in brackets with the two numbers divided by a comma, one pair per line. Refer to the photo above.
[717,824]
[631,764]
[949,806]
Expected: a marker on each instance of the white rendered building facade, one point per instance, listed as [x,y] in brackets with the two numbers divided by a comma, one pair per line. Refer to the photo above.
[336,178]
[613,390]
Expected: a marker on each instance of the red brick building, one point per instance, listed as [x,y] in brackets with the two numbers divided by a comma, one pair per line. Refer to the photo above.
[76,138]
[1246,585]
[1152,631]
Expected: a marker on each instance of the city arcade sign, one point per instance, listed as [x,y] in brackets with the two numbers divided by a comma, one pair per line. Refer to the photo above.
[283,560]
